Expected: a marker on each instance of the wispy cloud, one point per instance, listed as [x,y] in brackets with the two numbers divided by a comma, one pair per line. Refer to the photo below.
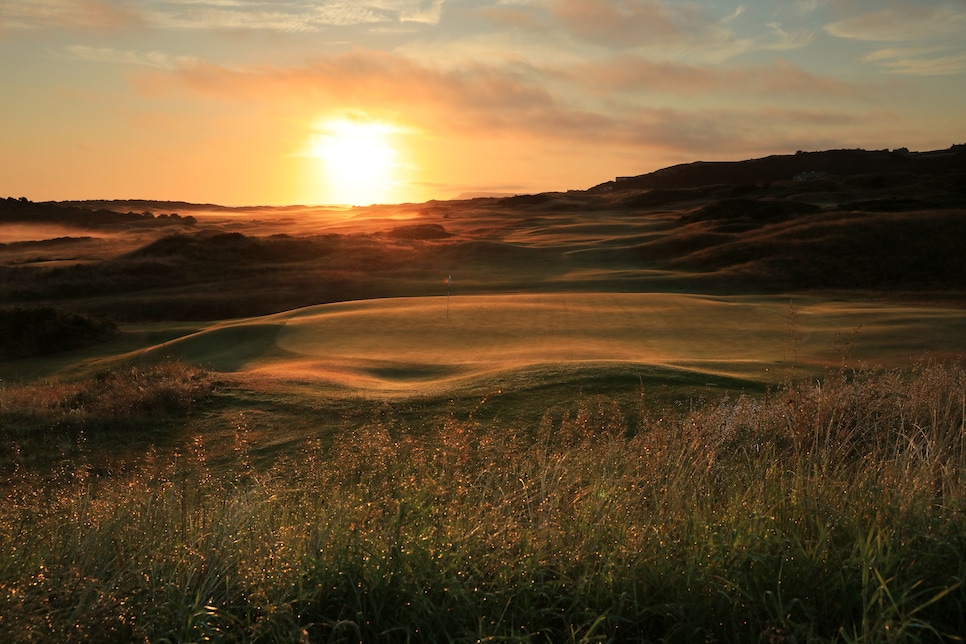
[18,15]
[294,15]
[903,22]
[909,24]
[488,103]
[784,40]
[154,59]
[808,7]
[284,16]
[281,16]
[629,73]
[740,9]
[505,15]
[636,22]
[901,62]
[425,12]
[658,28]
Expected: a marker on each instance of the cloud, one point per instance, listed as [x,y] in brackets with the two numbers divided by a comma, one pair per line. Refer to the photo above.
[784,40]
[18,15]
[740,9]
[900,62]
[513,17]
[389,86]
[492,103]
[342,15]
[700,133]
[154,59]
[498,97]
[428,13]
[630,73]
[295,15]
[283,17]
[932,35]
[657,28]
[290,16]
[629,23]
[902,23]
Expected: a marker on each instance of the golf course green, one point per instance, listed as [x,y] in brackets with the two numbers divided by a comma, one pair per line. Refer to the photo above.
[427,344]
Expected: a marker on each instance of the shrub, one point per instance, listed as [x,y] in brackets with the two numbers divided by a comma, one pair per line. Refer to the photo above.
[34,331]
[115,398]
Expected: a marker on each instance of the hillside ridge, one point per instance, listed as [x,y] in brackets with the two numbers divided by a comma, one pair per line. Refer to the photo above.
[790,167]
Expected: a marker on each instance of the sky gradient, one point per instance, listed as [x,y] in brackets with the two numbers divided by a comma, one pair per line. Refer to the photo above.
[240,102]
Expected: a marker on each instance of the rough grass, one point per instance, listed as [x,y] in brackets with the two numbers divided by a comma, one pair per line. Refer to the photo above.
[44,423]
[841,250]
[824,511]
[123,395]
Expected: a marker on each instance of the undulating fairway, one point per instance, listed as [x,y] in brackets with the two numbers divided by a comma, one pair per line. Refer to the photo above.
[426,345]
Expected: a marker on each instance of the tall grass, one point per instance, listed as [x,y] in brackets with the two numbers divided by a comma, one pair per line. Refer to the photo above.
[827,511]
[40,423]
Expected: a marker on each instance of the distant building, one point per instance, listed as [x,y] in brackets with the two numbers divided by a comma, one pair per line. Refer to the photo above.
[808,176]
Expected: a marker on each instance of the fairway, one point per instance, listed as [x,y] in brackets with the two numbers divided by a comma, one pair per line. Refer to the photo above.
[426,344]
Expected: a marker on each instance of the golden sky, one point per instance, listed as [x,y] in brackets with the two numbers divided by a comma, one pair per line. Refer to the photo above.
[256,102]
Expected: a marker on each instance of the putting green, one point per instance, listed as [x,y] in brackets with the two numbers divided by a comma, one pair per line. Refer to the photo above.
[414,345]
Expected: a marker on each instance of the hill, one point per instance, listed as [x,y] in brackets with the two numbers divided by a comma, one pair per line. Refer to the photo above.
[799,166]
[25,211]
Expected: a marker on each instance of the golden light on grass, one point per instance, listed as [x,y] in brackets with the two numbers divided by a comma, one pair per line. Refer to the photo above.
[358,162]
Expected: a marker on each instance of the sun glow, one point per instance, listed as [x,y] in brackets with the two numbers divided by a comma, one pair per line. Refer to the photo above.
[358,162]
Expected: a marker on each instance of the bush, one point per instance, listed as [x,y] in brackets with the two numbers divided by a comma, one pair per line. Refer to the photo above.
[114,398]
[36,331]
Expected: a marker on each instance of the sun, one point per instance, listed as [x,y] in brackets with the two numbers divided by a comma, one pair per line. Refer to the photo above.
[358,162]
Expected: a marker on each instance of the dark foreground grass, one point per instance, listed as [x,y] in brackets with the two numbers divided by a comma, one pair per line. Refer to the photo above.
[826,511]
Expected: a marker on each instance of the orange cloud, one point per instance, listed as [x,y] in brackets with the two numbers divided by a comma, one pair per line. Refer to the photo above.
[514,17]
[520,103]
[629,72]
[377,81]
[632,22]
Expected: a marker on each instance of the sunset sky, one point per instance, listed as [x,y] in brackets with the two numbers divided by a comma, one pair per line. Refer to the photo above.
[248,102]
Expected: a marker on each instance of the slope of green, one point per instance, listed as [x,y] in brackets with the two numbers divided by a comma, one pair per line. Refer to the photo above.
[425,345]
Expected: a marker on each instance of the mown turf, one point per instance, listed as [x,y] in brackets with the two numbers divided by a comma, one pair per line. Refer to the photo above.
[428,345]
[468,344]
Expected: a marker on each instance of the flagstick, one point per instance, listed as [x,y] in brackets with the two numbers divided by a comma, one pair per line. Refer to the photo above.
[449,280]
